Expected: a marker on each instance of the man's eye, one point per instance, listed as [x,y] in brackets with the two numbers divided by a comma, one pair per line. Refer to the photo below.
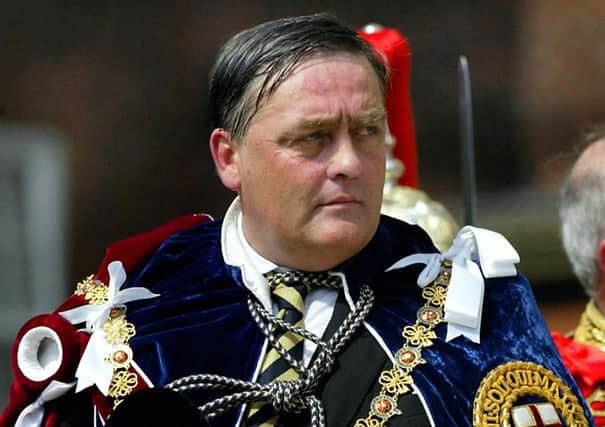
[313,137]
[368,131]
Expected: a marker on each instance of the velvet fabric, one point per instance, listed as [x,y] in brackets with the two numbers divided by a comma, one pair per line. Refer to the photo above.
[70,347]
[201,323]
[23,390]
[132,252]
[155,407]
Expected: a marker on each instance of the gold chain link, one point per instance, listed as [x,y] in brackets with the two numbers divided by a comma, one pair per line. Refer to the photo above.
[397,380]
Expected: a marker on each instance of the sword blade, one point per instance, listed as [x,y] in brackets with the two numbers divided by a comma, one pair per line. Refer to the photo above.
[467,143]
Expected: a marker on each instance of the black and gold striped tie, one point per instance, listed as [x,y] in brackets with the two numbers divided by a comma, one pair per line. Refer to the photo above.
[288,290]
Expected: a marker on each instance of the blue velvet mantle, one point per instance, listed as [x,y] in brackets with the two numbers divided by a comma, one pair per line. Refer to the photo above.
[201,323]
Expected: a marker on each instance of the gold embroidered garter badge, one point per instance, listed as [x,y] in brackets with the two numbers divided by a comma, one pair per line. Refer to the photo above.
[499,401]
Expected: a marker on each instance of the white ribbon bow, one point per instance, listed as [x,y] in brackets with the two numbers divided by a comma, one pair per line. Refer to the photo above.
[33,414]
[93,368]
[464,303]
[96,314]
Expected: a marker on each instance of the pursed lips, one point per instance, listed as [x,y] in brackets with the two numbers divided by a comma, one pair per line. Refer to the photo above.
[341,201]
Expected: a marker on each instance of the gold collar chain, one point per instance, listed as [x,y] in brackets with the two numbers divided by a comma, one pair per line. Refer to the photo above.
[591,328]
[397,380]
[118,332]
[591,331]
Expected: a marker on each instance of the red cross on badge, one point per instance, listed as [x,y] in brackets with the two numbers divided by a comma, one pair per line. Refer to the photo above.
[536,415]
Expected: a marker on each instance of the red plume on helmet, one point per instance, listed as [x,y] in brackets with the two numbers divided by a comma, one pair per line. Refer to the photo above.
[396,51]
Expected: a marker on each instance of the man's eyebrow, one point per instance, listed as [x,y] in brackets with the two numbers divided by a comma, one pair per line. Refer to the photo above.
[317,122]
[373,115]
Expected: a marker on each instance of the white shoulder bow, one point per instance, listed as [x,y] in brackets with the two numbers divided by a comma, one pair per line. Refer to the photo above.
[464,303]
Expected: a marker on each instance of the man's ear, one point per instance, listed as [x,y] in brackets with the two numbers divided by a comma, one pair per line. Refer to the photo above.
[225,152]
[601,254]
[599,290]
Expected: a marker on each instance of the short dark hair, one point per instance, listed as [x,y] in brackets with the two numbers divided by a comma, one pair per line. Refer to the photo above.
[254,62]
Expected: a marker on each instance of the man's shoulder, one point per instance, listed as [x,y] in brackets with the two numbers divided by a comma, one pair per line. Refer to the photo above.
[63,327]
[398,233]
[137,253]
[134,249]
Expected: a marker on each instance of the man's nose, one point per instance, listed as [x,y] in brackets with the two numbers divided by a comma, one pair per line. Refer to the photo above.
[345,161]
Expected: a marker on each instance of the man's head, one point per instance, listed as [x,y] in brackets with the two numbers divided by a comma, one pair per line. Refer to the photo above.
[299,122]
[582,213]
[253,63]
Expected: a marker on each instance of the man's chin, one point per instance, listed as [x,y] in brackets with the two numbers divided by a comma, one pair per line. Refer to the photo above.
[329,247]
[343,235]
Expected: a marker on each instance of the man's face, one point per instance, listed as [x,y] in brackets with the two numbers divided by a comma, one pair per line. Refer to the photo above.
[311,166]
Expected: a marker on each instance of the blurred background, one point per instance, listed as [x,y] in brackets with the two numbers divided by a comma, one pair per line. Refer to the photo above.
[104,125]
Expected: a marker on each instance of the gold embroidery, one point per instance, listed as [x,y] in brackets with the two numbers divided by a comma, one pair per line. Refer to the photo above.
[419,335]
[118,330]
[409,357]
[507,383]
[97,295]
[598,395]
[94,291]
[121,357]
[435,294]
[369,422]
[84,286]
[122,383]
[591,329]
[397,380]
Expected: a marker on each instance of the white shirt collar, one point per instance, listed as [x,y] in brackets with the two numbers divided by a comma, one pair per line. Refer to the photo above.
[238,253]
